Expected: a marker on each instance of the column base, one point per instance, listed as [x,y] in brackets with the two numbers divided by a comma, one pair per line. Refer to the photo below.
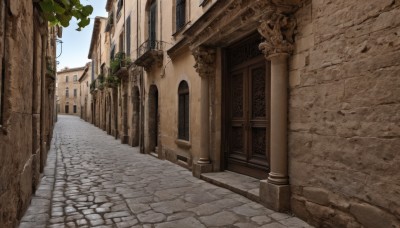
[275,197]
[124,139]
[198,169]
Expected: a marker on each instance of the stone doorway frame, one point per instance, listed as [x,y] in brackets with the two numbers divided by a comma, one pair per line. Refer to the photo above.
[222,24]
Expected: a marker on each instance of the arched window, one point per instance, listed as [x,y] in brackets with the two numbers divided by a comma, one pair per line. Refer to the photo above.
[180,14]
[67,92]
[183,111]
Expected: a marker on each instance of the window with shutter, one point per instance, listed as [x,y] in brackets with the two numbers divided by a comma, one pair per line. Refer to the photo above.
[152,24]
[112,53]
[2,57]
[183,111]
[180,13]
[120,5]
[128,36]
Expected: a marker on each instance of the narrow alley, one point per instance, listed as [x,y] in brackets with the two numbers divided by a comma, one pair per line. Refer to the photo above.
[91,180]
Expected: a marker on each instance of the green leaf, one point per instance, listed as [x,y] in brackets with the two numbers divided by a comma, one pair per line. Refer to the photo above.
[84,22]
[87,10]
[47,6]
[60,12]
[65,2]
[58,8]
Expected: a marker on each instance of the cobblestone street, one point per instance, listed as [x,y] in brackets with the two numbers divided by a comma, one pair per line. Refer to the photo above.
[91,180]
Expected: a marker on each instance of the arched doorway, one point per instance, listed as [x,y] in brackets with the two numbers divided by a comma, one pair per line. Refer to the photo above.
[135,116]
[108,121]
[153,119]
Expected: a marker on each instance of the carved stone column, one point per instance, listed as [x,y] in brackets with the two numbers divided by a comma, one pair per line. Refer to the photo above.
[277,29]
[205,62]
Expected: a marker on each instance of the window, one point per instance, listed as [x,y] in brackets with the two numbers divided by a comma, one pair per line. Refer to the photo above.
[120,5]
[75,92]
[152,24]
[74,108]
[112,53]
[67,92]
[75,78]
[67,107]
[128,36]
[121,42]
[183,111]
[66,78]
[180,14]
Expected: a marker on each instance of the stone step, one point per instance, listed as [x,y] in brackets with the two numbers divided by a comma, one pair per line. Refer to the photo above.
[244,185]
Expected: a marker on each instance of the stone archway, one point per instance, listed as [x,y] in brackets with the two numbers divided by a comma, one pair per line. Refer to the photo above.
[153,120]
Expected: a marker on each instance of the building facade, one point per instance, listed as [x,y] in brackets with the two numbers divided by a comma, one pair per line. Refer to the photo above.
[27,87]
[68,91]
[85,102]
[301,95]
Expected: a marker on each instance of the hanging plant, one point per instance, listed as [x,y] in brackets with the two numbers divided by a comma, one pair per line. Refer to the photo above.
[60,12]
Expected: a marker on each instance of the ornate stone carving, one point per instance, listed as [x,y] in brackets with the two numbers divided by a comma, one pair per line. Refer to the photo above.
[277,29]
[205,61]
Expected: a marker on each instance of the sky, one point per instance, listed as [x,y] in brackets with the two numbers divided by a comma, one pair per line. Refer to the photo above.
[75,46]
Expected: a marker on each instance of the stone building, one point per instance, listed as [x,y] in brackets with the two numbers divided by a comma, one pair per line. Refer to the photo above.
[300,95]
[85,102]
[99,53]
[27,80]
[68,91]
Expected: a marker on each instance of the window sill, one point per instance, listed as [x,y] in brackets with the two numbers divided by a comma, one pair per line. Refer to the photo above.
[183,144]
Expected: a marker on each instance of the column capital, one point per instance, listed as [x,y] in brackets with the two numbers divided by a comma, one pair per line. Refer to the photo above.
[205,61]
[277,29]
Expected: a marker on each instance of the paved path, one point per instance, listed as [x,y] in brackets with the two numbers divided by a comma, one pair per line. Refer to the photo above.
[91,180]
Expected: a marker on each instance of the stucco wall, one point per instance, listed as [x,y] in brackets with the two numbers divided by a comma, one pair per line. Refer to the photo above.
[71,84]
[344,113]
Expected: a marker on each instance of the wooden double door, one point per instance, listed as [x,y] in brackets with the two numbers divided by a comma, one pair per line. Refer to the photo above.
[247,114]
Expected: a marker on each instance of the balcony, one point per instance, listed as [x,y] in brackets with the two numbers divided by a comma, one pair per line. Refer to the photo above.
[110,22]
[119,65]
[149,53]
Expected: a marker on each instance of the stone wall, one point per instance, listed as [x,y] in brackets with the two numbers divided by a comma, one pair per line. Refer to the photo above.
[25,130]
[344,114]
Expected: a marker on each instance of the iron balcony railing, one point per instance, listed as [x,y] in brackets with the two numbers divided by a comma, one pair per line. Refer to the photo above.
[149,45]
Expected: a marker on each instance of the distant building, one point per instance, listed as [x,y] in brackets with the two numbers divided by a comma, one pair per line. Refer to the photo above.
[85,101]
[68,91]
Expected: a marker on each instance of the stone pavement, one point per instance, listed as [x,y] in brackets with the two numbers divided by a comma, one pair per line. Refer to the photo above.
[91,180]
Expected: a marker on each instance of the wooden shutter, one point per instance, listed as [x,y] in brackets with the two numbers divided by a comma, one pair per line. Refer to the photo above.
[180,13]
[128,36]
[152,25]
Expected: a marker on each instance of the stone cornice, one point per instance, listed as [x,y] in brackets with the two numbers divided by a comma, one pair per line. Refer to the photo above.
[232,18]
[205,61]
[177,48]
